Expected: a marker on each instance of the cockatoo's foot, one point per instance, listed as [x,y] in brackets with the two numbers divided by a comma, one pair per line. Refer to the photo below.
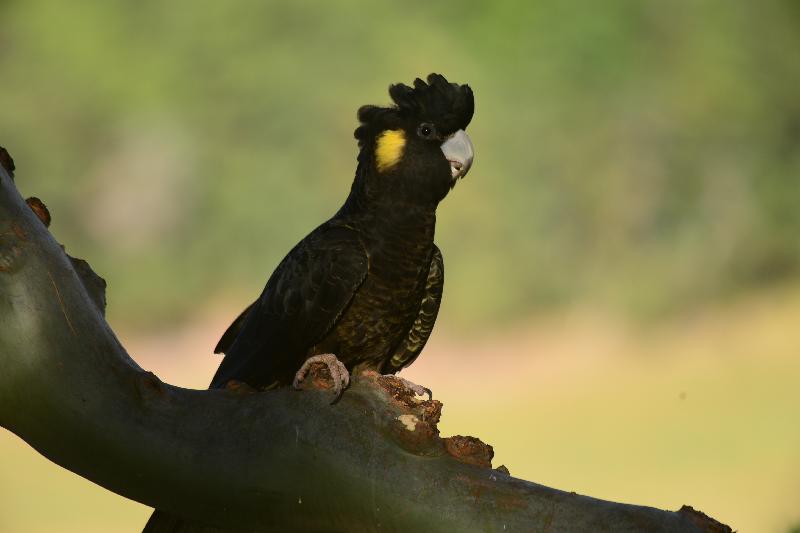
[419,390]
[339,373]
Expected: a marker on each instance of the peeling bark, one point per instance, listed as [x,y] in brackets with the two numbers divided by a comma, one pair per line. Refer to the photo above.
[237,459]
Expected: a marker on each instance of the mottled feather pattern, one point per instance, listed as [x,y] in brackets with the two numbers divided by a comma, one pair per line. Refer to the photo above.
[387,303]
[410,348]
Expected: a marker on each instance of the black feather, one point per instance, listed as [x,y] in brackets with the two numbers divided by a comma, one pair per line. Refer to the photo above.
[303,299]
[449,105]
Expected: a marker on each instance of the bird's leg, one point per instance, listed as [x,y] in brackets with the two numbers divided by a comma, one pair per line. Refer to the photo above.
[339,373]
[419,390]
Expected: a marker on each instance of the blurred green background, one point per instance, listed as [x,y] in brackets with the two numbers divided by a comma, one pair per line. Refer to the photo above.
[628,241]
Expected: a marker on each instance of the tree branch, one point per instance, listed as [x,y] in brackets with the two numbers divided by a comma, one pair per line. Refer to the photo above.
[268,461]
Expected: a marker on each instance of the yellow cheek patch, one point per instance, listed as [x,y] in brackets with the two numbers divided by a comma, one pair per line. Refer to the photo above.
[389,149]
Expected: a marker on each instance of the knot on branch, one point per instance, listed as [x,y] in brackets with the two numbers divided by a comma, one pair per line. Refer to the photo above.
[412,420]
[95,285]
[470,450]
[40,209]
[703,521]
[430,410]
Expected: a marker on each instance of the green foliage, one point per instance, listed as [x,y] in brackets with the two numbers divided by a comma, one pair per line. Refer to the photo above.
[634,154]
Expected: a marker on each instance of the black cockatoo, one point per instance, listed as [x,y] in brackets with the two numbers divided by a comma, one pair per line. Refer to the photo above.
[362,290]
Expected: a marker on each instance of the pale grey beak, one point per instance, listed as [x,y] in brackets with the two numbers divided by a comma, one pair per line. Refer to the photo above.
[459,152]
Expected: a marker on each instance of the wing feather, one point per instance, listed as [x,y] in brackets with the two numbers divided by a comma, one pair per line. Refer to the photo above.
[409,349]
[300,304]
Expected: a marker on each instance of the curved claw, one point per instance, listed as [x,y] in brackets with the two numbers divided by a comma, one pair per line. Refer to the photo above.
[419,390]
[339,373]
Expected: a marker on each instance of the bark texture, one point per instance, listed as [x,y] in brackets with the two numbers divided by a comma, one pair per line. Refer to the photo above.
[282,460]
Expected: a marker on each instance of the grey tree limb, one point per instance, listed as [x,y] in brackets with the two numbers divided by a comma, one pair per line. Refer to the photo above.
[282,460]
